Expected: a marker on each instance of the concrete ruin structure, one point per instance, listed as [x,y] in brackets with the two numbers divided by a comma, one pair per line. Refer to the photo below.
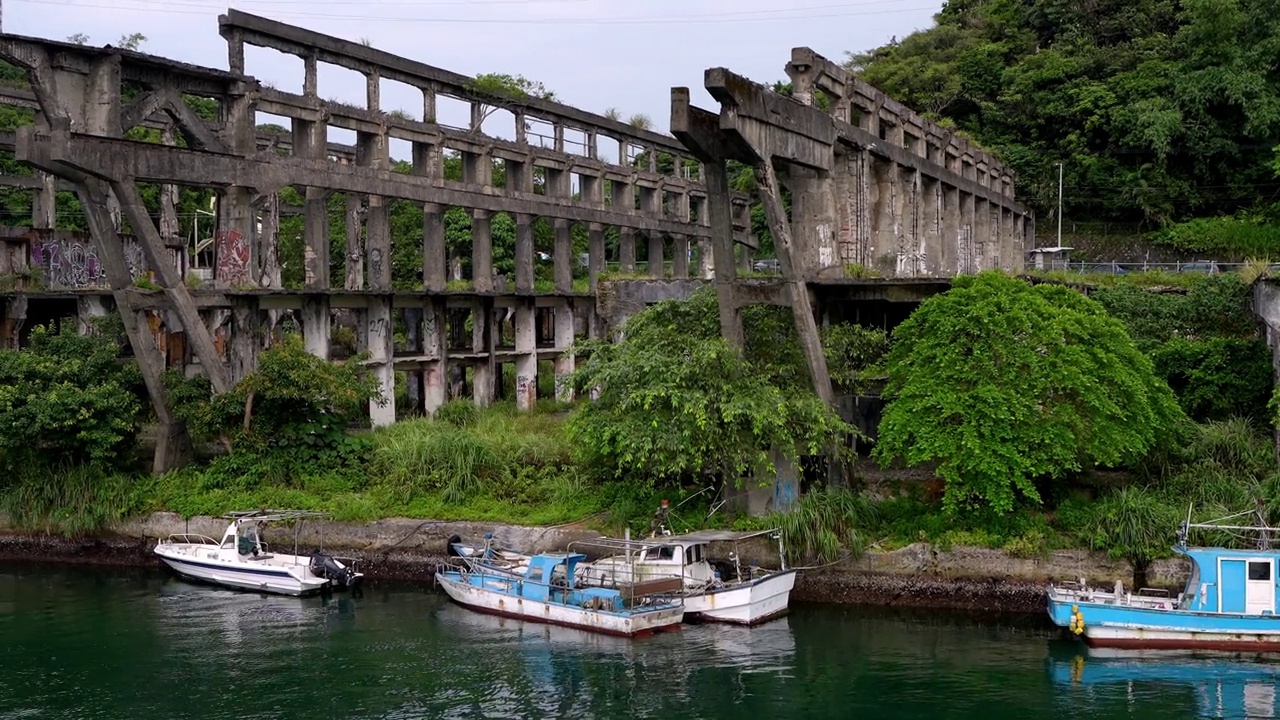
[885,207]
[875,188]
[86,99]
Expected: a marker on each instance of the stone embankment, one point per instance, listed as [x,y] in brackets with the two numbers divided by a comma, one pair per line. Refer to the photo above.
[919,575]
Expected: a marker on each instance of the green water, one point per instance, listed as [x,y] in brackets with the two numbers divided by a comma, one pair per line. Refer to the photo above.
[81,643]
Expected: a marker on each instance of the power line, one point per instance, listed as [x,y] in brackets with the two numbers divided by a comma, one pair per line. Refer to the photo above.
[164,6]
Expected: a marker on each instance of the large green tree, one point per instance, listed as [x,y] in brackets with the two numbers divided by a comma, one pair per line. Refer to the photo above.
[1002,383]
[673,400]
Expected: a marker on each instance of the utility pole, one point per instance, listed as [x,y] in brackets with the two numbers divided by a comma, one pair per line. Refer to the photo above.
[1059,203]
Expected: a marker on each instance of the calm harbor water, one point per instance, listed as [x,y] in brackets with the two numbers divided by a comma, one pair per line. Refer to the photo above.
[89,643]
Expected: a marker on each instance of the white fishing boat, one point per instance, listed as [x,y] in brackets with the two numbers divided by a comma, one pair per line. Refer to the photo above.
[243,560]
[547,592]
[713,589]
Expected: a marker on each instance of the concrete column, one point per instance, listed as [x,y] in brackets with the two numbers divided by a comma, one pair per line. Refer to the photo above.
[626,251]
[44,202]
[563,259]
[853,209]
[655,255]
[315,325]
[234,261]
[951,237]
[246,337]
[706,267]
[266,242]
[355,251]
[315,239]
[482,344]
[813,220]
[968,246]
[595,254]
[524,254]
[981,235]
[931,225]
[882,211]
[435,375]
[527,355]
[564,362]
[434,256]
[381,346]
[481,251]
[680,256]
[378,244]
[413,341]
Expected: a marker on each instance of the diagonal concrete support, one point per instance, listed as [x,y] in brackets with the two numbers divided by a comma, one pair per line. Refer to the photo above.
[173,445]
[174,289]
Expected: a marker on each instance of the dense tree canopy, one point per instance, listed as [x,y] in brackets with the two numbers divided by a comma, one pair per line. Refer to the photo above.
[67,398]
[1003,383]
[1159,109]
[674,400]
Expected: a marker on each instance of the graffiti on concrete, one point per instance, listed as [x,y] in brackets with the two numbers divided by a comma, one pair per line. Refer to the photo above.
[73,263]
[232,254]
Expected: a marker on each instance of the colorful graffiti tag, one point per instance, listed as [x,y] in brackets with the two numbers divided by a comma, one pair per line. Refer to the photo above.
[73,263]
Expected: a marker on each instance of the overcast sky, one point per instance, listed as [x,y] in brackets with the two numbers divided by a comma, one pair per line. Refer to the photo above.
[594,54]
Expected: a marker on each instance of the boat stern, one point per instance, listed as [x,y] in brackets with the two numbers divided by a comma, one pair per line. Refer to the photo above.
[1061,606]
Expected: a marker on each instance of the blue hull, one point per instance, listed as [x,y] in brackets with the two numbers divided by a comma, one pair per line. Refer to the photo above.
[1120,626]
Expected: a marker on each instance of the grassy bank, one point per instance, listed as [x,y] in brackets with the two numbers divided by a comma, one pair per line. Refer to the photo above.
[497,465]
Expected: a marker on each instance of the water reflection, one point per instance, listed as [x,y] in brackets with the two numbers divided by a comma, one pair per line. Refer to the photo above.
[570,672]
[1219,685]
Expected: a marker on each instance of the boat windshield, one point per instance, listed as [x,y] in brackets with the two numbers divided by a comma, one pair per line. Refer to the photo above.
[248,543]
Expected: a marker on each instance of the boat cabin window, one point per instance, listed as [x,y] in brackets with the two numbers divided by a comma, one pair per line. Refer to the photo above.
[248,542]
[1260,570]
[693,554]
[666,552]
[535,574]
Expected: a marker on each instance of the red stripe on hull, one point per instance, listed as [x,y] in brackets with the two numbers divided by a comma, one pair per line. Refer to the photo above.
[1174,644]
[586,628]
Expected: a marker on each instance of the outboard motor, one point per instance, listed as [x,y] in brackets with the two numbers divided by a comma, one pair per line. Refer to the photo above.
[325,566]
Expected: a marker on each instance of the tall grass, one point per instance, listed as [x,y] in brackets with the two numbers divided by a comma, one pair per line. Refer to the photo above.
[468,455]
[823,522]
[72,500]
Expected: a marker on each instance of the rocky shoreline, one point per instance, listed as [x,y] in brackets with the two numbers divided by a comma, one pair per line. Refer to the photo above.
[918,576]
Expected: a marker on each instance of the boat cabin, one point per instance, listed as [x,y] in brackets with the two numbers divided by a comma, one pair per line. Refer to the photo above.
[687,558]
[1237,582]
[549,579]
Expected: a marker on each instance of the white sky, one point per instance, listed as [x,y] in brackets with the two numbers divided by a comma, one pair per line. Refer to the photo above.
[594,54]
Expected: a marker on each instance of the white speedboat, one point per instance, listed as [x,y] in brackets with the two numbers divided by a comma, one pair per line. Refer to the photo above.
[242,560]
[715,589]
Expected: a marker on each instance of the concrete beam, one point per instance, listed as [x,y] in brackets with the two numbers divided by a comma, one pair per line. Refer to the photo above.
[109,157]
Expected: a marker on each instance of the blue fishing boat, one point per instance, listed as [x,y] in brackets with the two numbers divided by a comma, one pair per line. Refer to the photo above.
[549,592]
[1229,602]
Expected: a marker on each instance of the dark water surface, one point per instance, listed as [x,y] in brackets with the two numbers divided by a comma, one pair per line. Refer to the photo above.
[85,643]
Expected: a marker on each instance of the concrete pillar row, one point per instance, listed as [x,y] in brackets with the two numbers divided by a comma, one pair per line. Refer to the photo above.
[481,251]
[316,325]
[435,374]
[524,254]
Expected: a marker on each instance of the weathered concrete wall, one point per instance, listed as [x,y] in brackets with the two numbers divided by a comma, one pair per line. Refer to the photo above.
[918,575]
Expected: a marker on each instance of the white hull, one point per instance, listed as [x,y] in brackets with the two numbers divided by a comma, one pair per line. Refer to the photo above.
[496,602]
[746,604]
[1119,636]
[281,574]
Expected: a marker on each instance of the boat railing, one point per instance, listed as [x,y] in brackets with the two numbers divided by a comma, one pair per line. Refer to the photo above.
[190,539]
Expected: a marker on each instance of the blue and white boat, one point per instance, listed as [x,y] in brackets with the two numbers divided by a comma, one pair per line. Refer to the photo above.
[547,591]
[1229,602]
[243,560]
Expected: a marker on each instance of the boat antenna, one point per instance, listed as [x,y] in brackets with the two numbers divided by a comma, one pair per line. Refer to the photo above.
[1264,537]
